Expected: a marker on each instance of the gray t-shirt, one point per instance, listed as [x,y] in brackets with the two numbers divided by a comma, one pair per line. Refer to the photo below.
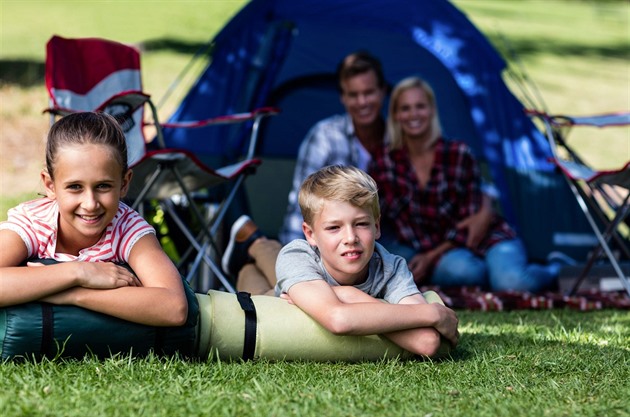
[389,277]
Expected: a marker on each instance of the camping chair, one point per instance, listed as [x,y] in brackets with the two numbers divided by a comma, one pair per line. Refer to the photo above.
[603,196]
[92,74]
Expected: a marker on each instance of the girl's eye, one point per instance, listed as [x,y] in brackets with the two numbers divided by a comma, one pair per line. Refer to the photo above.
[104,186]
[74,187]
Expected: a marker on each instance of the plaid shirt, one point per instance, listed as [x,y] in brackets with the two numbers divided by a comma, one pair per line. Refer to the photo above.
[330,142]
[424,218]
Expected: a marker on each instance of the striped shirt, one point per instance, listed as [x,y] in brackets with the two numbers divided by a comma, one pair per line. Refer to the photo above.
[424,218]
[36,222]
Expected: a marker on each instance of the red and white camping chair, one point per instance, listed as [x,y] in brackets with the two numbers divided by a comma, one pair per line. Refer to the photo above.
[603,195]
[92,74]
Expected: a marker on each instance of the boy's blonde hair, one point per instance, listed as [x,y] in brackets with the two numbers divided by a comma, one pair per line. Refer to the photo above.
[345,184]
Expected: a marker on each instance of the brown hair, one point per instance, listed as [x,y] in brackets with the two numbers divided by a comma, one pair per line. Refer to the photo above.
[86,128]
[357,63]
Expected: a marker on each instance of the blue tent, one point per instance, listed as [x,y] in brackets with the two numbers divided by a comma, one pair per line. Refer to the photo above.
[284,53]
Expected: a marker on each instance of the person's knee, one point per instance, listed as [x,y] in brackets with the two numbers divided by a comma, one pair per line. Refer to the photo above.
[460,270]
[509,280]
[250,279]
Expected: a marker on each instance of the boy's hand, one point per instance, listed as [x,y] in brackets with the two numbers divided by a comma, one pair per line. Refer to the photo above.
[446,324]
[286,297]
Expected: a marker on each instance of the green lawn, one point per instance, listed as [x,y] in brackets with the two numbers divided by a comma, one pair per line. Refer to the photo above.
[547,363]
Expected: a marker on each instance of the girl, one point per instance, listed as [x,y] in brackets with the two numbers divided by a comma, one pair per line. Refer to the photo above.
[82,223]
[428,185]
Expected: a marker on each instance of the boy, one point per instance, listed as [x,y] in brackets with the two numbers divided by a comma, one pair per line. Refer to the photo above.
[339,273]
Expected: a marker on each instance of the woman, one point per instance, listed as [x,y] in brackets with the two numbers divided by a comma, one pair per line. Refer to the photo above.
[428,185]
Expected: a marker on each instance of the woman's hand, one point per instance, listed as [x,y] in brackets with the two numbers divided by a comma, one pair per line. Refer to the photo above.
[477,224]
[420,265]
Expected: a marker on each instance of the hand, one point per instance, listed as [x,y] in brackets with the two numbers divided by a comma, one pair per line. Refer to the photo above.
[447,324]
[105,275]
[419,266]
[286,297]
[477,225]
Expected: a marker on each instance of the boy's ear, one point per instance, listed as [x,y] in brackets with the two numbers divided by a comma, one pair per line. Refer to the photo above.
[126,182]
[49,184]
[308,234]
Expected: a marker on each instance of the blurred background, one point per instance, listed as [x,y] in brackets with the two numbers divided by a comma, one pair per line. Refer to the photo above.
[575,53]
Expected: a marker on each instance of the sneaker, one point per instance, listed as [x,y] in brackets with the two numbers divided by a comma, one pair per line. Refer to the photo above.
[557,257]
[242,234]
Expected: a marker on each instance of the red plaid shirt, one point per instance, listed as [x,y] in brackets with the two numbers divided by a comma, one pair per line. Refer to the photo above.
[424,218]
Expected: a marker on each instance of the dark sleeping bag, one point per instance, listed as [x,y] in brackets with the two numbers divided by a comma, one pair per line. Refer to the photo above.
[39,329]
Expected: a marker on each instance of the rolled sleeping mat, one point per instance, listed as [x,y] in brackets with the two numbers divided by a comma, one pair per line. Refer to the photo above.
[240,326]
[39,329]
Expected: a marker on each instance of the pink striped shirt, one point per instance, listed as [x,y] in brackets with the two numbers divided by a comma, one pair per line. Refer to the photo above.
[36,222]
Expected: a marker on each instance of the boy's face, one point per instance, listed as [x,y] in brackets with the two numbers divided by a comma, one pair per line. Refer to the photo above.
[344,235]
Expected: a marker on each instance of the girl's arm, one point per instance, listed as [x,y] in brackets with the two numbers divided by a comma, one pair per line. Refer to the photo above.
[318,300]
[19,284]
[159,301]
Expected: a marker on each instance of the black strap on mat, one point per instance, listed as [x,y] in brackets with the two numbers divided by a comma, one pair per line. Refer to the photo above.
[47,329]
[249,343]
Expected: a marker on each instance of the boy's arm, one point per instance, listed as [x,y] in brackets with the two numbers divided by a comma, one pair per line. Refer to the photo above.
[318,300]
[422,341]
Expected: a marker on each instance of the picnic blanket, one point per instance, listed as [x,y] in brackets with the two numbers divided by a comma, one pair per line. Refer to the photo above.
[474,298]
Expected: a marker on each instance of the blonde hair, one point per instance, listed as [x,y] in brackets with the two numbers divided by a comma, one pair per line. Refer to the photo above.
[394,130]
[346,184]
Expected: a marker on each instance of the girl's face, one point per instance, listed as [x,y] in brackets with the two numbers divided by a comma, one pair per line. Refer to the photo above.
[344,235]
[88,184]
[414,113]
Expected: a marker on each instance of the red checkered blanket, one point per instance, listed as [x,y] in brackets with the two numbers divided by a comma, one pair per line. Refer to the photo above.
[473,298]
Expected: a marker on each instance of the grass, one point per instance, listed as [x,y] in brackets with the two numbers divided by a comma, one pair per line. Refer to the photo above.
[547,363]
[541,363]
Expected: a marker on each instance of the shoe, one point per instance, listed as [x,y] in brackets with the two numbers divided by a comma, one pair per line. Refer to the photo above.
[242,234]
[557,257]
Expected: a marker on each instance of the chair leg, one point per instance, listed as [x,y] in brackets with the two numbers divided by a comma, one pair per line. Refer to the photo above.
[603,245]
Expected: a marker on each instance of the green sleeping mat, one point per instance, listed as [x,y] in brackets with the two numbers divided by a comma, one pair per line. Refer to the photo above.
[37,329]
